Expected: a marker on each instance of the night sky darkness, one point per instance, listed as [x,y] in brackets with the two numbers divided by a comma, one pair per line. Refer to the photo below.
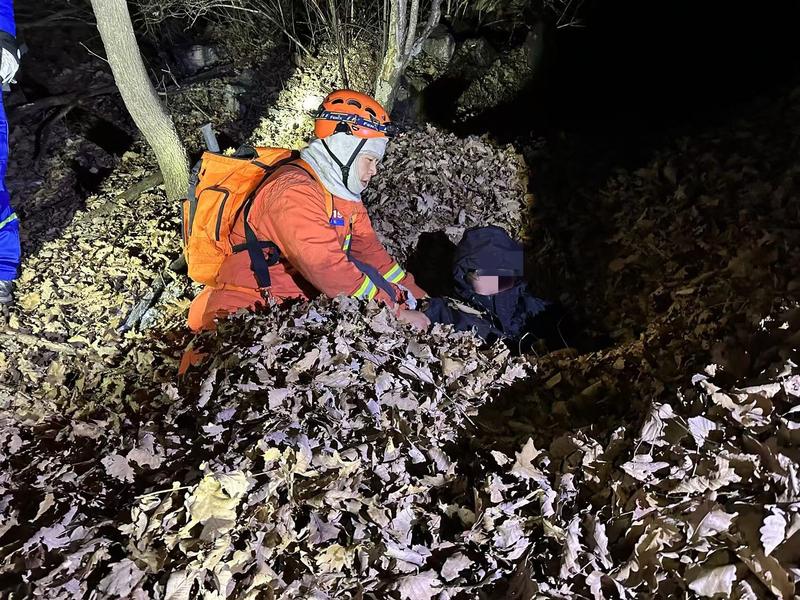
[643,64]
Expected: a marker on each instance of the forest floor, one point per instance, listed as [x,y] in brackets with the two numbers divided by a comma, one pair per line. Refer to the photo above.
[322,450]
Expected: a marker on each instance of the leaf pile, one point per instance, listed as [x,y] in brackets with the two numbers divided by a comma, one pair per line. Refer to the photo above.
[312,452]
[696,240]
[432,180]
[90,256]
[701,498]
[319,451]
[78,289]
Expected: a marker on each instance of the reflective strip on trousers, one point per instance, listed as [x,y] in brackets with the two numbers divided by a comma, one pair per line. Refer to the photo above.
[8,219]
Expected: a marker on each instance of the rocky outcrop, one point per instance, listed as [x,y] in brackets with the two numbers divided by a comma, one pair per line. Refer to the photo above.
[440,45]
[471,58]
[506,77]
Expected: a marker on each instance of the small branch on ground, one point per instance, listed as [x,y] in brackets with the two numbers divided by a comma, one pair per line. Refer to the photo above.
[60,100]
[44,131]
[140,187]
[66,15]
[82,96]
[10,334]
[146,303]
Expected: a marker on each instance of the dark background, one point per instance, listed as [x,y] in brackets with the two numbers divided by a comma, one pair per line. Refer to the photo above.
[639,68]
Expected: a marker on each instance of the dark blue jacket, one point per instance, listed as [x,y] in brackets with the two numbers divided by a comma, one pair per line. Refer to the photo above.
[9,224]
[507,315]
[7,17]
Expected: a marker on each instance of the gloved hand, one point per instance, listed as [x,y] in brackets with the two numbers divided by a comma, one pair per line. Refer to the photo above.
[9,57]
[400,295]
[408,283]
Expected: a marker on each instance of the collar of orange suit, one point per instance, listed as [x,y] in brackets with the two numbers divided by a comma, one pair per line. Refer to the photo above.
[330,173]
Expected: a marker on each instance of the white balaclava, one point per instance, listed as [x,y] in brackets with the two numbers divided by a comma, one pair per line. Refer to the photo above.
[342,146]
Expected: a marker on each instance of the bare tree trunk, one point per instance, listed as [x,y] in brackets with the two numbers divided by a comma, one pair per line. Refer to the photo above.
[391,70]
[402,45]
[337,31]
[141,100]
[392,67]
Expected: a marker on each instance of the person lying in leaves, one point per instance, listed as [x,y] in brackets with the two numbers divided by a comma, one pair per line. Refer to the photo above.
[311,210]
[492,298]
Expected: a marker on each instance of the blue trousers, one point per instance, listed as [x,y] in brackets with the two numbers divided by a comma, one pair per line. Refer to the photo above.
[9,224]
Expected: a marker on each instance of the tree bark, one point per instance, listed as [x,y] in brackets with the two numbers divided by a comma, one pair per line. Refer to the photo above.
[392,67]
[402,45]
[141,100]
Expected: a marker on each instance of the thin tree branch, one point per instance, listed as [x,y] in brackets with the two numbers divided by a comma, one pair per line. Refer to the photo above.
[80,97]
[57,17]
[398,19]
[433,21]
[140,187]
[337,32]
[412,30]
[61,99]
[93,53]
[44,131]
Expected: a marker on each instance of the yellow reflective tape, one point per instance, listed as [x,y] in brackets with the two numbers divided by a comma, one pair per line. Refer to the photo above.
[373,291]
[346,244]
[394,274]
[362,290]
[391,271]
[8,219]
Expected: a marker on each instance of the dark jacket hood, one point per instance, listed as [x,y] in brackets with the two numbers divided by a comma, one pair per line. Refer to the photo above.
[489,250]
[505,315]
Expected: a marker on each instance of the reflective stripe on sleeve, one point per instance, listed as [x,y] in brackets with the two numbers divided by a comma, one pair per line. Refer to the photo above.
[367,289]
[8,219]
[395,274]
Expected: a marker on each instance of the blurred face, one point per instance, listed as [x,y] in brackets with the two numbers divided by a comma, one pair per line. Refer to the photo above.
[485,285]
[367,167]
[489,285]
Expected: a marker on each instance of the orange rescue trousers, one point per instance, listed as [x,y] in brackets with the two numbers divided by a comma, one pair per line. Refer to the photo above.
[217,303]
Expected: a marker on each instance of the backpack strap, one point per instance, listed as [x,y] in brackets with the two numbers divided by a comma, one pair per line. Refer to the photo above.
[255,247]
[191,194]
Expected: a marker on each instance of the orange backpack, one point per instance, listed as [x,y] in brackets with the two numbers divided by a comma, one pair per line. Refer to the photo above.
[221,189]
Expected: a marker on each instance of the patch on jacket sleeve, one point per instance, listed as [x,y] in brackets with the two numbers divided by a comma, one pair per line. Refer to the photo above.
[337,219]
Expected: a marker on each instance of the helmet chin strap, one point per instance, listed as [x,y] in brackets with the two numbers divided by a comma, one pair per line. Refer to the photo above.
[346,167]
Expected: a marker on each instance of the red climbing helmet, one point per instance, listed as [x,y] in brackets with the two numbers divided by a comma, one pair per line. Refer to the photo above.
[352,112]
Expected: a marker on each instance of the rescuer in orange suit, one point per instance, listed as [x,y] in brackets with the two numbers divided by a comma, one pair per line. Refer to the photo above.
[326,241]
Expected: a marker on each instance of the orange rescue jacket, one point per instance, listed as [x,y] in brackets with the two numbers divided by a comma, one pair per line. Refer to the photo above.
[292,211]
